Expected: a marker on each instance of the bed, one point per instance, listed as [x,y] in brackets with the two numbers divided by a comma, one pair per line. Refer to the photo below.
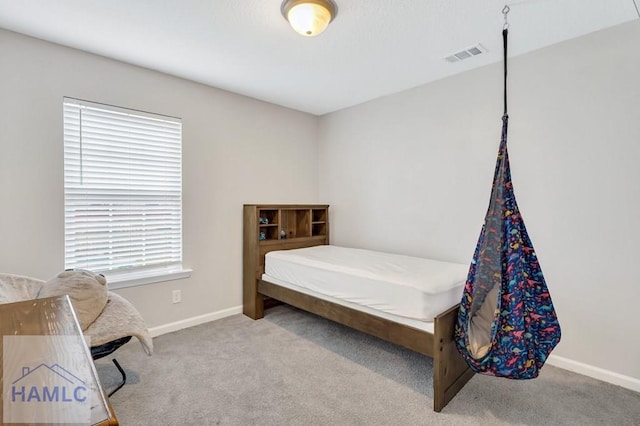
[332,282]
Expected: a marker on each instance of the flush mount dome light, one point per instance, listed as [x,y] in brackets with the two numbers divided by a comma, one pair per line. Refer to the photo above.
[309,17]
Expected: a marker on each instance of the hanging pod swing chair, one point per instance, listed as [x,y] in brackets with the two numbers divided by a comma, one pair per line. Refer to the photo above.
[507,325]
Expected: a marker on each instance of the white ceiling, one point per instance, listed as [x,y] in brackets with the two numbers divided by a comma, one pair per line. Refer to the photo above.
[373,47]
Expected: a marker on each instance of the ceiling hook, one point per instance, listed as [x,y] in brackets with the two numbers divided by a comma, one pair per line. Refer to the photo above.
[505,10]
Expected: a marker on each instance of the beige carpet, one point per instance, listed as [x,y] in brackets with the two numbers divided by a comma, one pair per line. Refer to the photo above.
[293,368]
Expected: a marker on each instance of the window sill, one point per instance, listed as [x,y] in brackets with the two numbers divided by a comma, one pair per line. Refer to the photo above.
[132,279]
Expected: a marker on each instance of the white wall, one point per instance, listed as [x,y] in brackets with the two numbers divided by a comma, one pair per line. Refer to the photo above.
[235,150]
[411,173]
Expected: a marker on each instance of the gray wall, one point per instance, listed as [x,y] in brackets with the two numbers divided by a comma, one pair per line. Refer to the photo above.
[411,173]
[235,150]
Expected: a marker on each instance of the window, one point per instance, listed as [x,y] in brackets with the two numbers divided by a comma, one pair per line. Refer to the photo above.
[123,191]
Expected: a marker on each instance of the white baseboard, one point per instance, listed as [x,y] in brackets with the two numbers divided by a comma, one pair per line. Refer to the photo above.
[193,321]
[595,372]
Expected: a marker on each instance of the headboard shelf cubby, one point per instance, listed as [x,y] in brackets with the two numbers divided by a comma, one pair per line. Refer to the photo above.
[269,227]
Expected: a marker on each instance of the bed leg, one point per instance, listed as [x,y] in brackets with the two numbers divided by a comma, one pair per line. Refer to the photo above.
[255,308]
[252,301]
[450,370]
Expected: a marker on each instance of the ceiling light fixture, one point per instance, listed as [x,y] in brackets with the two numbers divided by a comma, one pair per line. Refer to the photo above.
[309,17]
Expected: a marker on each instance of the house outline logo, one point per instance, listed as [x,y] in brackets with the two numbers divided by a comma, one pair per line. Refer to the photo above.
[46,379]
[74,390]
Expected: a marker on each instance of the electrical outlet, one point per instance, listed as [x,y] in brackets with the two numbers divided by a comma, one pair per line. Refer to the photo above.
[177,296]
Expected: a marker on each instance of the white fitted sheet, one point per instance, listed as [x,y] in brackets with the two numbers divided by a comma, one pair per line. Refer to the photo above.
[398,285]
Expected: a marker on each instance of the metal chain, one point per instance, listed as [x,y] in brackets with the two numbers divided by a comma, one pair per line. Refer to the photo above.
[505,12]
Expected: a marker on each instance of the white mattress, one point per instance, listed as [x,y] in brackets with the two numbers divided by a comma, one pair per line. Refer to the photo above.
[420,325]
[402,286]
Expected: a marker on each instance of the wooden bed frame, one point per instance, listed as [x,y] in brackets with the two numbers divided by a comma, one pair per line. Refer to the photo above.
[450,371]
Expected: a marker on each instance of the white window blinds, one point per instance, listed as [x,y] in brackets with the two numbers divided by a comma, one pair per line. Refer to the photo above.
[123,188]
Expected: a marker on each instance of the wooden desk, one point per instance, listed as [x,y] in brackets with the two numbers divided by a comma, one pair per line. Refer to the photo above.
[33,319]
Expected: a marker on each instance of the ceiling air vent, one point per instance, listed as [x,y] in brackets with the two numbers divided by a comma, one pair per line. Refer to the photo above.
[466,53]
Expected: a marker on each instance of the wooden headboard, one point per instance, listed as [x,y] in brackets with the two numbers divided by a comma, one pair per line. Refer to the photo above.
[269,227]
